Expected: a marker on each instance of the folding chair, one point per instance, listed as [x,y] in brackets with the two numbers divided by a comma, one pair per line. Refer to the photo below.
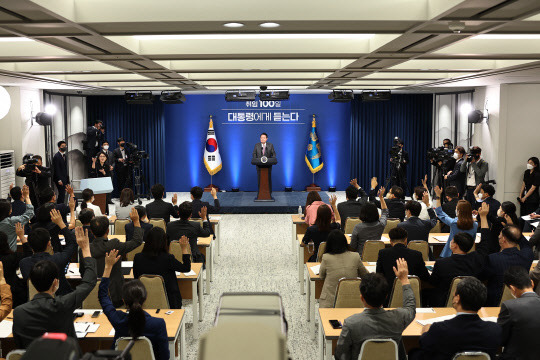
[421,246]
[15,354]
[92,300]
[390,224]
[348,293]
[120,227]
[453,287]
[371,250]
[131,255]
[472,355]
[320,252]
[380,349]
[506,295]
[157,295]
[142,350]
[396,298]
[158,223]
[350,224]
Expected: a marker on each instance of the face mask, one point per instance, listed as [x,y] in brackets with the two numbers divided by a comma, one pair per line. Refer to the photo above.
[63,149]
[479,199]
[122,144]
[500,213]
[106,147]
[529,167]
[455,156]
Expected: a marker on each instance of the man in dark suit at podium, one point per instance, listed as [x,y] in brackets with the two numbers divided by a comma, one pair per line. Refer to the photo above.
[264,148]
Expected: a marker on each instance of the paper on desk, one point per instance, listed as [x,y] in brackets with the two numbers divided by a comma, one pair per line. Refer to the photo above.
[434,320]
[316,269]
[490,318]
[441,238]
[535,224]
[424,310]
[73,271]
[384,238]
[93,328]
[81,326]
[80,335]
[112,332]
[371,268]
[127,264]
[372,263]
[6,328]
[191,273]
[215,217]
[526,218]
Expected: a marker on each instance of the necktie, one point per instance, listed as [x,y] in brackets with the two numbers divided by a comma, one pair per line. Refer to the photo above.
[264,148]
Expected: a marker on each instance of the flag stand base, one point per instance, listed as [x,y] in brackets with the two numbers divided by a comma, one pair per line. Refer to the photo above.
[210,187]
[313,187]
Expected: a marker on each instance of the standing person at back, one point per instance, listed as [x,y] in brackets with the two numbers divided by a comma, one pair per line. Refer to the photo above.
[121,165]
[159,209]
[375,322]
[371,227]
[337,262]
[455,177]
[313,202]
[102,245]
[394,200]
[60,171]
[475,169]
[196,195]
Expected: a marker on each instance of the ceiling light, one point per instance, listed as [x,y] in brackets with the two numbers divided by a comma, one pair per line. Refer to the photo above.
[507,37]
[14,39]
[466,108]
[233,25]
[269,25]
[253,36]
[50,109]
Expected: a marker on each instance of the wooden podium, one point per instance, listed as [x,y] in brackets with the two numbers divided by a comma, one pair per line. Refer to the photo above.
[264,180]
[101,187]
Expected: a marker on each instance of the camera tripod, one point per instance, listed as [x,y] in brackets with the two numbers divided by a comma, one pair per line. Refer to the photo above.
[135,176]
[395,177]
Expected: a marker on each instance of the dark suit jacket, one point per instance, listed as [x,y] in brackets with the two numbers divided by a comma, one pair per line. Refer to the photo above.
[117,154]
[494,206]
[313,234]
[100,247]
[197,205]
[449,209]
[159,209]
[41,180]
[11,262]
[457,178]
[18,208]
[270,152]
[462,333]
[387,260]
[130,228]
[61,259]
[45,313]
[497,264]
[446,269]
[96,173]
[60,171]
[165,265]
[93,136]
[418,229]
[349,208]
[191,229]
[396,207]
[520,322]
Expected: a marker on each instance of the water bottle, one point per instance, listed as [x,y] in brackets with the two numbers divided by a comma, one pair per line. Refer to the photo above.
[300,211]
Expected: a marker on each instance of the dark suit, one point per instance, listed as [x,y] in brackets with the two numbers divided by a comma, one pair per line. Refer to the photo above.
[159,209]
[18,208]
[401,171]
[418,229]
[60,173]
[269,153]
[11,263]
[494,206]
[165,265]
[520,322]
[130,228]
[396,207]
[61,259]
[197,205]
[449,209]
[192,230]
[121,168]
[457,178]
[40,181]
[100,247]
[387,260]
[45,313]
[446,269]
[317,237]
[349,208]
[462,333]
[93,141]
[498,263]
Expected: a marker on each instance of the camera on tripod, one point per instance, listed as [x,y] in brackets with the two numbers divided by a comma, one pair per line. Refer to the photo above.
[473,154]
[29,162]
[395,150]
[136,155]
[440,155]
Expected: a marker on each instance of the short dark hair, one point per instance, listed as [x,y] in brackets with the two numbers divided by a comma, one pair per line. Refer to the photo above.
[38,239]
[99,226]
[488,189]
[461,150]
[61,142]
[43,213]
[185,209]
[197,192]
[265,134]
[120,139]
[476,149]
[15,193]
[86,215]
[397,191]
[397,234]
[43,274]
[157,191]
[369,213]
[98,122]
[517,276]
[451,192]
[5,209]
[104,141]
[37,157]
[351,193]
[46,195]
[419,192]
[155,242]
[472,293]
[141,210]
[336,242]
[414,207]
[464,241]
[511,233]
[374,289]
[447,140]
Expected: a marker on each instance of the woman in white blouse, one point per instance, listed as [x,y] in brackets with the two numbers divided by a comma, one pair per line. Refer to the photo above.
[88,199]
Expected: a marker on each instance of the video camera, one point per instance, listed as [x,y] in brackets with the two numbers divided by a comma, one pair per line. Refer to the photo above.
[135,154]
[29,162]
[440,154]
[394,152]
[473,154]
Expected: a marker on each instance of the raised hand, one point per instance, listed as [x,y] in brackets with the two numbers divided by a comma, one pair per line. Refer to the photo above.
[438,191]
[333,200]
[175,199]
[72,203]
[213,192]
[203,212]
[381,192]
[374,182]
[19,230]
[425,198]
[56,218]
[184,243]
[424,181]
[402,271]
[134,216]
[26,192]
[354,183]
[82,237]
[112,258]
[483,210]
[69,190]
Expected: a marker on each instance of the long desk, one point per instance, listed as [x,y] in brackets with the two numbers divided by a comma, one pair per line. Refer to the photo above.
[103,337]
[328,336]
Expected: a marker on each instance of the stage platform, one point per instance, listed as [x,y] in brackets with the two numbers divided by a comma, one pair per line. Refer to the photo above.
[243,202]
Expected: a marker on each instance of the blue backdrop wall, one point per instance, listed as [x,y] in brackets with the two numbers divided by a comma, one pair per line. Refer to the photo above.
[238,126]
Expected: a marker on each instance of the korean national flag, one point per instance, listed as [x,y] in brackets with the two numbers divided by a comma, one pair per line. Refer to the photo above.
[212,159]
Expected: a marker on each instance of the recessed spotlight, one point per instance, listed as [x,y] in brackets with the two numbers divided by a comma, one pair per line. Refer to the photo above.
[269,25]
[233,25]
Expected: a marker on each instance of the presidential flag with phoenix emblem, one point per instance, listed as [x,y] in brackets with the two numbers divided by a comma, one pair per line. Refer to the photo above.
[313,151]
[212,159]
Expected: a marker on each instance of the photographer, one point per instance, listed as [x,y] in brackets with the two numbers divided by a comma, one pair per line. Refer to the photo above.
[455,177]
[475,169]
[121,166]
[443,161]
[37,176]
[528,195]
[399,158]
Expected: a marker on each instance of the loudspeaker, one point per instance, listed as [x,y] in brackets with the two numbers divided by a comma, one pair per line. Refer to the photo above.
[475,117]
[44,119]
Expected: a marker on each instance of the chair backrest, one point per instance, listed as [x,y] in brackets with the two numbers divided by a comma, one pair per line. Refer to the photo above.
[78,223]
[506,295]
[380,349]
[371,250]
[120,227]
[158,223]
[131,255]
[390,224]
[453,287]
[472,355]
[422,246]
[396,298]
[15,354]
[32,290]
[437,228]
[155,288]
[176,250]
[92,301]
[142,350]
[348,293]
[242,340]
[350,224]
[320,252]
